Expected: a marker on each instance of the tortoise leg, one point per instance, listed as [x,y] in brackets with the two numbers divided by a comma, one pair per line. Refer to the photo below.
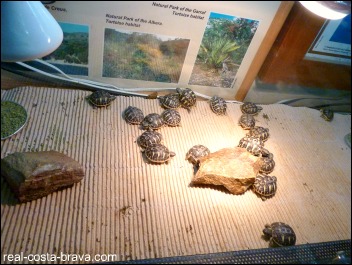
[271,243]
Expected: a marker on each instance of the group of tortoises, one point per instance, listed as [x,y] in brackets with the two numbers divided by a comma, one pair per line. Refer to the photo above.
[151,140]
[265,186]
[279,233]
[185,98]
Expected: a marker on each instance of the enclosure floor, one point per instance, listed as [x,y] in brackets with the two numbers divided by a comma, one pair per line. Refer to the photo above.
[131,209]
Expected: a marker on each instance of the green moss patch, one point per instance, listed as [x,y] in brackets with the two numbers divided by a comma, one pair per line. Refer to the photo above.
[13,117]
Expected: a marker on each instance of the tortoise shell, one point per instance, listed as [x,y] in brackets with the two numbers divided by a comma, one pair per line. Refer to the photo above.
[280,234]
[171,117]
[265,185]
[197,152]
[187,97]
[252,144]
[259,132]
[250,108]
[246,121]
[218,105]
[153,121]
[267,164]
[100,98]
[170,101]
[133,115]
[158,153]
[149,137]
[327,114]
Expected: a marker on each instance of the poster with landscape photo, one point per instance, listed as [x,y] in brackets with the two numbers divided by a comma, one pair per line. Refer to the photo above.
[206,46]
[224,44]
[72,55]
[143,56]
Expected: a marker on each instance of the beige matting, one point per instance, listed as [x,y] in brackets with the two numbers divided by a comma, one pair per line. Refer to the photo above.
[135,210]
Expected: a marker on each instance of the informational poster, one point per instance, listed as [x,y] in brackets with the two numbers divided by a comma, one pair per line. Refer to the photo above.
[206,46]
[333,42]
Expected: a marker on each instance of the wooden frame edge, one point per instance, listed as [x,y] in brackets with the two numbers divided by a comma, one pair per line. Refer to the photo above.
[268,41]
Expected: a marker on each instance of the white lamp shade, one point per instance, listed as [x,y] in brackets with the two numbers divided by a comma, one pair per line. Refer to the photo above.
[28,31]
[328,9]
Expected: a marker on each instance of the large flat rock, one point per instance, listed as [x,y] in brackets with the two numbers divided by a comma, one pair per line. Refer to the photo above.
[233,168]
[32,175]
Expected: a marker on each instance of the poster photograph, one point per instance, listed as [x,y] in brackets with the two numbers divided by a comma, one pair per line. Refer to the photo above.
[224,44]
[206,46]
[72,55]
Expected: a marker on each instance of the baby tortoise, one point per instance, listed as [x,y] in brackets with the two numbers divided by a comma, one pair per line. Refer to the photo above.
[153,121]
[171,117]
[158,153]
[149,137]
[327,114]
[252,144]
[246,121]
[187,98]
[265,186]
[267,164]
[259,132]
[218,105]
[280,234]
[250,108]
[170,101]
[133,115]
[197,152]
[100,98]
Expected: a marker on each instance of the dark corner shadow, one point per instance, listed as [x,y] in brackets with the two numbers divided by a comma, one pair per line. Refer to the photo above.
[7,196]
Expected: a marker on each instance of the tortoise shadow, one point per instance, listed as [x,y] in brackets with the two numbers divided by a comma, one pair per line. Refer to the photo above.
[213,187]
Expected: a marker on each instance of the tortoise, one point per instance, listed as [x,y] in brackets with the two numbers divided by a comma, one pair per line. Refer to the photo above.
[246,121]
[265,185]
[252,144]
[171,117]
[280,234]
[133,115]
[267,164]
[153,121]
[149,137]
[158,153]
[259,132]
[327,114]
[100,98]
[218,105]
[196,152]
[250,108]
[187,98]
[170,101]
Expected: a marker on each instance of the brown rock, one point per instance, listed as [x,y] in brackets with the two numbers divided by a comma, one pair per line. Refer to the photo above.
[32,175]
[233,168]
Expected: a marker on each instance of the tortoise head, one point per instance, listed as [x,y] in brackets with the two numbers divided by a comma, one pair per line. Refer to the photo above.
[265,152]
[145,125]
[267,230]
[112,97]
[179,90]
